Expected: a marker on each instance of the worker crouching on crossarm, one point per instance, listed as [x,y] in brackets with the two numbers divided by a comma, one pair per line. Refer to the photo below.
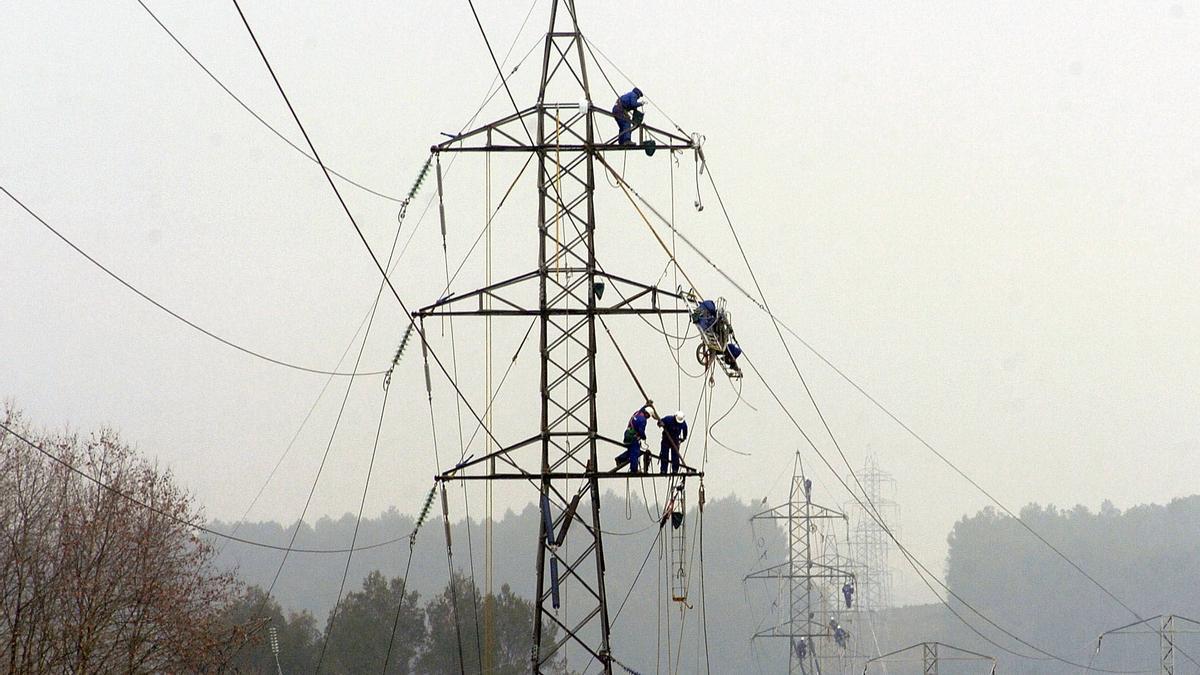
[635,433]
[675,430]
[627,105]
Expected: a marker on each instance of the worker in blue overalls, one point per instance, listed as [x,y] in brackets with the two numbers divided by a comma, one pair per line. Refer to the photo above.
[675,430]
[626,105]
[635,433]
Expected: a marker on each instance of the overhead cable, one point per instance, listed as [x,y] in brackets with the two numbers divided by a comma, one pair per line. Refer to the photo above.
[350,216]
[171,312]
[176,519]
[776,324]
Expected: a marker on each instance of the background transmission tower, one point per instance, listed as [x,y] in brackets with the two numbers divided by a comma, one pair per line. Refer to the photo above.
[813,587]
[870,545]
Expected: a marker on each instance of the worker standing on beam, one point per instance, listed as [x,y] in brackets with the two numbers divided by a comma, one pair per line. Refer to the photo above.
[675,430]
[635,434]
[627,105]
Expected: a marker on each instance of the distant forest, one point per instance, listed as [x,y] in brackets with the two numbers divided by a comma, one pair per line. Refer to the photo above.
[1147,556]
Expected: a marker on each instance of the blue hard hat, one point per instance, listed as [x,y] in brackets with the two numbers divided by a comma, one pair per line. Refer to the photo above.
[637,92]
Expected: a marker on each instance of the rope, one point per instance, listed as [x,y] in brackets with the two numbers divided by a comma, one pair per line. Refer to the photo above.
[626,190]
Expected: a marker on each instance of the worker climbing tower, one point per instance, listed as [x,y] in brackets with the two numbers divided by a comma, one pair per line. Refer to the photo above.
[812,586]
[569,296]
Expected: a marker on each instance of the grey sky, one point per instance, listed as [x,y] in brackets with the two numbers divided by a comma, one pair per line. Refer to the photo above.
[986,213]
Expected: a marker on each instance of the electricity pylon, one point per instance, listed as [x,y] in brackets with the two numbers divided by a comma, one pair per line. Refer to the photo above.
[568,137]
[1167,632]
[870,544]
[805,576]
[931,657]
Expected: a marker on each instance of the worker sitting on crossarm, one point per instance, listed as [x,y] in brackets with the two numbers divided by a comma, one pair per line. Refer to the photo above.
[675,430]
[635,433]
[626,105]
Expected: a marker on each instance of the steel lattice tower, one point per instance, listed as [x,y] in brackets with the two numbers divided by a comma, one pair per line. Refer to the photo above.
[803,573]
[563,130]
[870,545]
[1170,627]
[932,654]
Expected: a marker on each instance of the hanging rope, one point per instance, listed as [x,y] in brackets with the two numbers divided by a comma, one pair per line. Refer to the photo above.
[626,190]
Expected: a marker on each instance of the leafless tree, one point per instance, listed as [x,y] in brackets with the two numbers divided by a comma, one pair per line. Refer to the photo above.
[103,578]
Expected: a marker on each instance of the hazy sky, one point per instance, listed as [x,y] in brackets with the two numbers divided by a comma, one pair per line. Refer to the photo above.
[984,212]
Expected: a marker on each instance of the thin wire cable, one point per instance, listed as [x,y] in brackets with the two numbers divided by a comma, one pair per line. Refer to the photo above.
[324,457]
[499,70]
[837,445]
[173,518]
[354,222]
[387,657]
[256,116]
[779,323]
[333,615]
[628,191]
[288,141]
[393,260]
[923,571]
[171,312]
[739,288]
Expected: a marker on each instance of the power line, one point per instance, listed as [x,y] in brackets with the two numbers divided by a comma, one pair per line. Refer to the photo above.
[918,566]
[499,70]
[325,456]
[784,326]
[176,519]
[871,511]
[833,438]
[354,537]
[875,516]
[173,313]
[354,222]
[256,116]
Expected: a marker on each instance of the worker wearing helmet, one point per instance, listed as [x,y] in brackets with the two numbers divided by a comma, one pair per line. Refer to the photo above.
[674,433]
[626,105]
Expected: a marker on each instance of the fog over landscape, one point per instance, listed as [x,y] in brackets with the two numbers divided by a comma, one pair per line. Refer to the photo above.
[976,224]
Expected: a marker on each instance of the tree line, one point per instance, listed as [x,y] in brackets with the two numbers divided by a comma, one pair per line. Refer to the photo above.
[109,575]
[376,630]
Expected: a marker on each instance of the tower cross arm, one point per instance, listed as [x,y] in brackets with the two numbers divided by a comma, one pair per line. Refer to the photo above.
[565,126]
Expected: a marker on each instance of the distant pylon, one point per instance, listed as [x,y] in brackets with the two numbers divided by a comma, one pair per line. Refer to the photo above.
[931,655]
[1167,631]
[870,545]
[805,575]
